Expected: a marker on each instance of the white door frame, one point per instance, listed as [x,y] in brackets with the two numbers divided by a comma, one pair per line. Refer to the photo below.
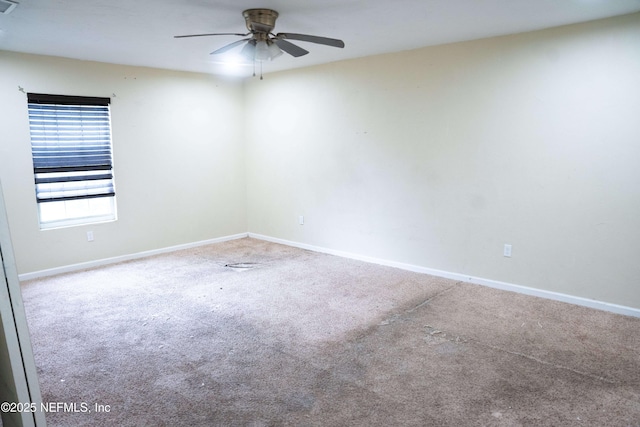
[18,375]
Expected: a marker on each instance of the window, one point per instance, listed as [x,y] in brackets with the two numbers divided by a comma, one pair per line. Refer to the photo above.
[72,161]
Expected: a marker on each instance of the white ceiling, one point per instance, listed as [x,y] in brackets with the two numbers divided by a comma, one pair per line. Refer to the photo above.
[140,32]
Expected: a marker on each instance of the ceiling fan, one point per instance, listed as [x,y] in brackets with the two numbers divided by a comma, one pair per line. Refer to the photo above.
[263,44]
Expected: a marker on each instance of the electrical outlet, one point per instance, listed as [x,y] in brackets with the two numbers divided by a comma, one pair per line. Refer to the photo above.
[89,236]
[507,251]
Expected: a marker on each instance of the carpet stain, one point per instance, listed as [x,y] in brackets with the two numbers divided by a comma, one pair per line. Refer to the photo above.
[242,265]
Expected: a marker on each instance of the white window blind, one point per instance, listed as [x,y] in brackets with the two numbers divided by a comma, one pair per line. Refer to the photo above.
[71,147]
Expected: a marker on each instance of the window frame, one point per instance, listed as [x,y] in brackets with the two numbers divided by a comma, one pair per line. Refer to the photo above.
[72,154]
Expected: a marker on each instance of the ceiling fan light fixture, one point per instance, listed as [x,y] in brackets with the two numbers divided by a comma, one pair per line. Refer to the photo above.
[274,50]
[249,50]
[262,51]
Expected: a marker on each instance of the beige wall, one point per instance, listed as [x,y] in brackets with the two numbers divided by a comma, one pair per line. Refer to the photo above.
[178,156]
[438,157]
[435,157]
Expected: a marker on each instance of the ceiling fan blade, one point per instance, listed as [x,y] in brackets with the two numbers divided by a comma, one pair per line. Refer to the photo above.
[290,48]
[210,34]
[228,47]
[313,39]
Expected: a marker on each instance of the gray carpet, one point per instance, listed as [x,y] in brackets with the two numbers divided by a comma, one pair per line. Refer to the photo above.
[284,336]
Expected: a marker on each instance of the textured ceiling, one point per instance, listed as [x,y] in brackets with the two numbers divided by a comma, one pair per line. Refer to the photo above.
[141,32]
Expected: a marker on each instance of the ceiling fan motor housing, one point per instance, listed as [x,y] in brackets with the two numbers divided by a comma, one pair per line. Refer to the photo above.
[260,20]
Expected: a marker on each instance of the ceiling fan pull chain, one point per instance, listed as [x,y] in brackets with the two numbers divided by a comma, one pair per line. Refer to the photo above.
[260,70]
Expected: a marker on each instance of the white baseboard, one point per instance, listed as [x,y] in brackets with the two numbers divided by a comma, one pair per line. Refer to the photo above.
[106,261]
[571,299]
[599,305]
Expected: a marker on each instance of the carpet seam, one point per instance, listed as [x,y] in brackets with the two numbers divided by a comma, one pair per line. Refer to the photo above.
[514,353]
[428,300]
[543,362]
